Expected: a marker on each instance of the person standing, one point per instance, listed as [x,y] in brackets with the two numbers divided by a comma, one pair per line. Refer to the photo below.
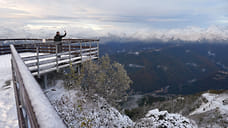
[58,39]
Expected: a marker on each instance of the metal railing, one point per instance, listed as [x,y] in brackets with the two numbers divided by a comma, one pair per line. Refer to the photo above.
[33,108]
[27,44]
[48,58]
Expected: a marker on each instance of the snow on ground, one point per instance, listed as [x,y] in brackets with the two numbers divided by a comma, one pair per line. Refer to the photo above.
[132,102]
[163,119]
[215,101]
[8,113]
[77,110]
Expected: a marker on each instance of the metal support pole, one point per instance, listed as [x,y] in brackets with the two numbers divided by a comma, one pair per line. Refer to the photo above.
[45,81]
[38,60]
[79,69]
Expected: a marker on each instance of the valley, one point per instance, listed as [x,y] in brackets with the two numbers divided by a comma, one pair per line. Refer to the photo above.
[172,68]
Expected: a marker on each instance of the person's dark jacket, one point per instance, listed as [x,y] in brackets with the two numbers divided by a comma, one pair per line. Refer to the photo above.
[59,37]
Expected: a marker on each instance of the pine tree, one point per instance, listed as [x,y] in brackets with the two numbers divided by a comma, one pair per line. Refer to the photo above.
[108,80]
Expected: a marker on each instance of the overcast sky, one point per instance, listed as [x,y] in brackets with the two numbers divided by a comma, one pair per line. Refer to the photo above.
[101,17]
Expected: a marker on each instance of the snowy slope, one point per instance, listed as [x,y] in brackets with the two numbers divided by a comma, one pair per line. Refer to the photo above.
[163,119]
[77,110]
[215,101]
[213,113]
[8,114]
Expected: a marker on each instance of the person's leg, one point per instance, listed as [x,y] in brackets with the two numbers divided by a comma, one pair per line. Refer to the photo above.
[59,50]
[61,47]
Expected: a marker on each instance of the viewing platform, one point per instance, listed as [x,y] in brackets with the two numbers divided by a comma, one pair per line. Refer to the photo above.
[42,56]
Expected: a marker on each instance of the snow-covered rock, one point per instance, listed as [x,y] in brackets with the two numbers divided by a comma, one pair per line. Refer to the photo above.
[163,119]
[77,110]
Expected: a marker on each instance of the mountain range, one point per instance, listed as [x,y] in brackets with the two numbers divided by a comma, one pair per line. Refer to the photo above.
[176,67]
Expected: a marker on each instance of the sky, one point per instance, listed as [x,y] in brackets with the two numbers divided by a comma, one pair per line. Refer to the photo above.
[142,19]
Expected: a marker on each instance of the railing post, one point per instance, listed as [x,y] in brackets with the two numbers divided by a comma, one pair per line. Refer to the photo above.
[56,50]
[38,61]
[90,43]
[69,43]
[81,50]
[98,49]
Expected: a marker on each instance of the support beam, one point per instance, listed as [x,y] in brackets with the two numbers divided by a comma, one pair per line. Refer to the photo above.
[45,81]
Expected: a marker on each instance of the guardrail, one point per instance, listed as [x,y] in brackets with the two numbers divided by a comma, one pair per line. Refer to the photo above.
[70,53]
[33,108]
[73,51]
[27,44]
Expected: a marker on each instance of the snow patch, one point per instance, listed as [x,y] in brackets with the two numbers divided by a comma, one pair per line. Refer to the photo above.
[8,113]
[135,66]
[215,101]
[155,118]
[210,53]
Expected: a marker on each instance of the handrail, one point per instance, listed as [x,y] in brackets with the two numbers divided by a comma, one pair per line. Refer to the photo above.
[34,109]
[37,39]
[29,46]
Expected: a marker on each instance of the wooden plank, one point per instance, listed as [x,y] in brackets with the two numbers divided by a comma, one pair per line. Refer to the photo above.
[54,69]
[63,66]
[34,57]
[53,64]
[88,53]
[42,62]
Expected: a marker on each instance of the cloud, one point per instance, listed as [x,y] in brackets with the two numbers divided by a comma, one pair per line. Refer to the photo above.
[188,34]
[144,19]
